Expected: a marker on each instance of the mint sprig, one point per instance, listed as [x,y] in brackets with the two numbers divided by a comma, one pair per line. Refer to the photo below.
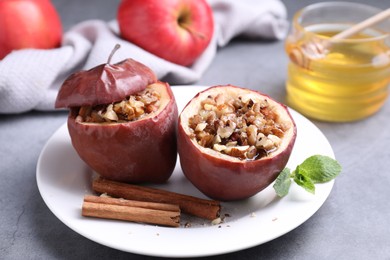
[315,169]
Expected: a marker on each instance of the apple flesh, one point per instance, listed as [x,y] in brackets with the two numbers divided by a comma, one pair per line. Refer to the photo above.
[175,30]
[224,177]
[28,24]
[138,151]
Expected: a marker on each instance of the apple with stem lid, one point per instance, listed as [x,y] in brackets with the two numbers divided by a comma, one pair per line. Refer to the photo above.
[122,121]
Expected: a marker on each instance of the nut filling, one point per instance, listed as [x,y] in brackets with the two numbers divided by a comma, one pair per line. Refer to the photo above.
[243,127]
[132,108]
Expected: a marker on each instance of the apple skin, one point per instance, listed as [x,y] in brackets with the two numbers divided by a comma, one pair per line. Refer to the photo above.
[135,152]
[28,24]
[104,84]
[175,30]
[224,179]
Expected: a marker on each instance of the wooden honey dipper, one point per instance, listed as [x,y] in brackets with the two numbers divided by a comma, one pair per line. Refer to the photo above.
[318,50]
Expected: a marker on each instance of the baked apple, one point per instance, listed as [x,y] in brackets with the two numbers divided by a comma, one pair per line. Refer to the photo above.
[233,142]
[122,121]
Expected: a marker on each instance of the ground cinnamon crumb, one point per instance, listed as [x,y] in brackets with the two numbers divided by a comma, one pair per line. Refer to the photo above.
[187,225]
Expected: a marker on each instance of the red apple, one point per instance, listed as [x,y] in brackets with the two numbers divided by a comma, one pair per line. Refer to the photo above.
[233,142]
[137,149]
[28,24]
[175,30]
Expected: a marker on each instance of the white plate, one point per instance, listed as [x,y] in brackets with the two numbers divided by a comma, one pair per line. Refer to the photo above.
[63,180]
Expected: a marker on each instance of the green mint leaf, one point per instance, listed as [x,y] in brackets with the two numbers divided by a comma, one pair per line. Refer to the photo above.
[320,168]
[282,183]
[302,179]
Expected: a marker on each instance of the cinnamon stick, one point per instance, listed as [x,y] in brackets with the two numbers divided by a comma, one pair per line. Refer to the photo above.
[134,211]
[132,203]
[203,208]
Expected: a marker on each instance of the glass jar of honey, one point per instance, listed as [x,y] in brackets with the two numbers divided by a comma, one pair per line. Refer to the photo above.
[337,80]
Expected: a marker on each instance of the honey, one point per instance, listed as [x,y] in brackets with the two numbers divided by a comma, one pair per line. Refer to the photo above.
[349,82]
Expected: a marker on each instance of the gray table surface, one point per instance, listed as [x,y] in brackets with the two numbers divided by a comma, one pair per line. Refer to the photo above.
[354,222]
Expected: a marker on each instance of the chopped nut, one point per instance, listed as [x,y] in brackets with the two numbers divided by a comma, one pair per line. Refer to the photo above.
[217,139]
[238,151]
[231,143]
[224,109]
[219,147]
[195,120]
[225,132]
[206,140]
[274,139]
[208,107]
[251,153]
[252,134]
[201,126]
[110,114]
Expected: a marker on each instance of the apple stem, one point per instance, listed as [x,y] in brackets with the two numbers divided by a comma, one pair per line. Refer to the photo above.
[117,46]
[191,30]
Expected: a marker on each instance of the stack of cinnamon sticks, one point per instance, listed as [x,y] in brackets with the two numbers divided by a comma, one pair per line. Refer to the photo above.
[144,204]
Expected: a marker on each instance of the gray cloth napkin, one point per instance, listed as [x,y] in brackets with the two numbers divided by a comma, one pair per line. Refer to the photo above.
[30,78]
